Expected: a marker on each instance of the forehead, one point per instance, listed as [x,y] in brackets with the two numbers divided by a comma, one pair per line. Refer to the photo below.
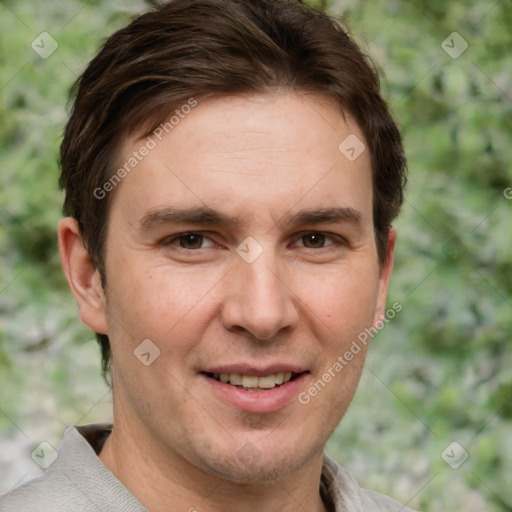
[249,154]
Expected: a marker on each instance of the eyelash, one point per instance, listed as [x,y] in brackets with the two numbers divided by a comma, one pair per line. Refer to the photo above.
[334,240]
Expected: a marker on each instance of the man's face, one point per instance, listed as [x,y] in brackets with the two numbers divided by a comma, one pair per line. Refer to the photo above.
[181,272]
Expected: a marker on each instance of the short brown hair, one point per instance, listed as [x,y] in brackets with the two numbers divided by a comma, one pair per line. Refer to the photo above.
[195,48]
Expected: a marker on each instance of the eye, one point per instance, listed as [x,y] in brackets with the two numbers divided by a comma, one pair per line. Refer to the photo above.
[315,240]
[190,241]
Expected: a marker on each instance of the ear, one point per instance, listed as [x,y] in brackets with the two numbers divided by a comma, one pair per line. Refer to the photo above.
[385,275]
[83,278]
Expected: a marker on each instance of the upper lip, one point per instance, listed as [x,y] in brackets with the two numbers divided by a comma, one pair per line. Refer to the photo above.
[258,371]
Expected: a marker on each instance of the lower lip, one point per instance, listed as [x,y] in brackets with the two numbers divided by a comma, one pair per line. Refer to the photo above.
[257,401]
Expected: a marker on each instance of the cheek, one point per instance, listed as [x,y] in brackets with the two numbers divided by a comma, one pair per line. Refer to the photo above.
[154,303]
[344,300]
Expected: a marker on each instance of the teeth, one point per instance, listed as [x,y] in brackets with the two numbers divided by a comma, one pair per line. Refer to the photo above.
[253,381]
[249,381]
[267,382]
[235,379]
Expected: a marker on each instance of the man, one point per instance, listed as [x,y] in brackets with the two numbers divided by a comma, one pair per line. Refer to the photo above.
[231,172]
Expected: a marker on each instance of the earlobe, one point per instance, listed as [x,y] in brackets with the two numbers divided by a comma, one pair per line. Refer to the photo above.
[83,278]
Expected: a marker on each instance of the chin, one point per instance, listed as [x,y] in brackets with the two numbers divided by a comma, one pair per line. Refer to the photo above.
[253,465]
[255,472]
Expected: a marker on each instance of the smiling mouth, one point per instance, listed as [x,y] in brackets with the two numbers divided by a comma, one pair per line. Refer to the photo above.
[253,382]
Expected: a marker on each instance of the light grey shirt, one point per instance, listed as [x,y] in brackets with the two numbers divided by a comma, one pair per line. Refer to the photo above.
[78,481]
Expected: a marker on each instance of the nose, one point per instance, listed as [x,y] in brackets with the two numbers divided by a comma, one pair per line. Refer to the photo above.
[259,300]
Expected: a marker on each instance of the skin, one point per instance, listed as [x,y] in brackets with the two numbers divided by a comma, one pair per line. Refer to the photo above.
[260,159]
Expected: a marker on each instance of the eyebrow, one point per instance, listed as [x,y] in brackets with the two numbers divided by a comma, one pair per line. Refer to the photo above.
[324,216]
[204,215]
[194,215]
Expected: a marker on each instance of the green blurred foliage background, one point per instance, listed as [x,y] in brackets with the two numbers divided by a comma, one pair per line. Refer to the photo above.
[439,372]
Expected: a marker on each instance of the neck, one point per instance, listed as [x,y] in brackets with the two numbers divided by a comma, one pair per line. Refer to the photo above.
[162,480]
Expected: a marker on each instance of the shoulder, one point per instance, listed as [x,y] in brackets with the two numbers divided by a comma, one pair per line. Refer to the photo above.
[381,502]
[59,489]
[342,489]
[76,480]
[43,494]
